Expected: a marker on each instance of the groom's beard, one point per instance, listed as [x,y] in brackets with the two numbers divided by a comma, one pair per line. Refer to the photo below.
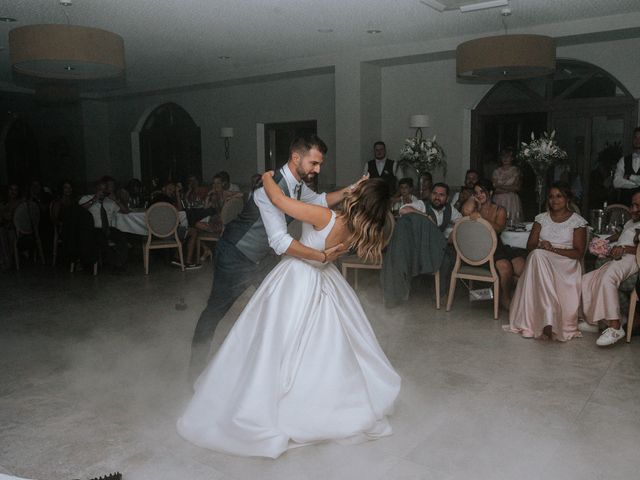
[308,177]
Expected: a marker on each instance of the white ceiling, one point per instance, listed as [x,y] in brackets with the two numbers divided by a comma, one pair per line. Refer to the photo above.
[171,43]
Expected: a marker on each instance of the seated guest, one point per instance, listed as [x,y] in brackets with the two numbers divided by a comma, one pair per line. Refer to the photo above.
[439,209]
[103,237]
[509,261]
[405,201]
[547,297]
[600,287]
[7,229]
[466,190]
[214,202]
[195,194]
[170,193]
[112,193]
[132,194]
[226,180]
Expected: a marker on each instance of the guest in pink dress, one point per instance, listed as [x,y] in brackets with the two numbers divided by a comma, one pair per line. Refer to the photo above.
[547,297]
[600,301]
[507,181]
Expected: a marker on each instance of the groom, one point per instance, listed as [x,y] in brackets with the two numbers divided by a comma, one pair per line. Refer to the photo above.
[243,253]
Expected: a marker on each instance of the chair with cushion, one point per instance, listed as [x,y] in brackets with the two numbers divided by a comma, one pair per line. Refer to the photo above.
[353,261]
[162,222]
[633,301]
[230,210]
[475,242]
[26,220]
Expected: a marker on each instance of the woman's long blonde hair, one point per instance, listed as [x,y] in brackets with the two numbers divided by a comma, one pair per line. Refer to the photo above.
[365,212]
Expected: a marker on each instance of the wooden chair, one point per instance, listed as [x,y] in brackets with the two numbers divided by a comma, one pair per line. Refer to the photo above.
[162,222]
[618,213]
[632,304]
[357,263]
[230,210]
[475,242]
[26,220]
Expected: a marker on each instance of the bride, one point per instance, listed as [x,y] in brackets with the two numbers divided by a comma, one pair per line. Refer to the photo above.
[302,364]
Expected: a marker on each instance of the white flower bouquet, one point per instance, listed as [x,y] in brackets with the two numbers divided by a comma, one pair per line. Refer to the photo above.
[425,155]
[541,153]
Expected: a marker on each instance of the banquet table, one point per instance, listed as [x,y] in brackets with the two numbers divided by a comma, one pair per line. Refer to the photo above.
[516,238]
[134,222]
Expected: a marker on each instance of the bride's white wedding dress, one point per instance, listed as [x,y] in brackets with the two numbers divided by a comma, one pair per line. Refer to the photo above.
[301,365]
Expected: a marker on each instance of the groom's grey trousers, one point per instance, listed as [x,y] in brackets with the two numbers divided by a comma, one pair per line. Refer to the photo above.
[233,274]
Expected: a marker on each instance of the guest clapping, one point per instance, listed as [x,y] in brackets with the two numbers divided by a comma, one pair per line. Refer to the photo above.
[600,301]
[547,297]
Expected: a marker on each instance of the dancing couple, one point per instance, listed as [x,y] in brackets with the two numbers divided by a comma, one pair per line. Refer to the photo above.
[302,364]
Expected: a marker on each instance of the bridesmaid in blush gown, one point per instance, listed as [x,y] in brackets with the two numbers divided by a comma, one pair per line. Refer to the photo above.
[547,297]
[302,364]
[507,183]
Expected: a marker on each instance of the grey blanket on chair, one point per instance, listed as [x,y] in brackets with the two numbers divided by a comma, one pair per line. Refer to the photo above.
[416,247]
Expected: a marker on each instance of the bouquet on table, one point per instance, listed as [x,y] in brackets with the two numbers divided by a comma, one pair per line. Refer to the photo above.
[424,155]
[599,247]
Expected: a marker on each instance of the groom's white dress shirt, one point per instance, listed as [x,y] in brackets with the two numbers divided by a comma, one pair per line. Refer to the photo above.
[274,220]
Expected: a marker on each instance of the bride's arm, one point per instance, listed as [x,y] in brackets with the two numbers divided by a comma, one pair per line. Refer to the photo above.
[315,215]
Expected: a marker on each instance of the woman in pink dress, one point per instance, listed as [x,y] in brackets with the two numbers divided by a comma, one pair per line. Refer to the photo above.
[547,298]
[507,183]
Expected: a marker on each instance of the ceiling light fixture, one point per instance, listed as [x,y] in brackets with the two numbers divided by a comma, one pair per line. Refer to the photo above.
[464,5]
[374,31]
[325,30]
[506,57]
[224,57]
[44,51]
[7,19]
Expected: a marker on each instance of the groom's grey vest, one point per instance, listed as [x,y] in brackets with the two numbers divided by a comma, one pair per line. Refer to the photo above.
[247,231]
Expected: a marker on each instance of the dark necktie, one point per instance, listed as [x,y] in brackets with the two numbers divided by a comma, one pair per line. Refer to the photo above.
[104,219]
[297,192]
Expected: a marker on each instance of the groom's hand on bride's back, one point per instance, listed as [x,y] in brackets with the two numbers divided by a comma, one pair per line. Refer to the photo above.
[334,252]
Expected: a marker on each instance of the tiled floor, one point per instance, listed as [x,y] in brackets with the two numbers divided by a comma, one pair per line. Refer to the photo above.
[93,377]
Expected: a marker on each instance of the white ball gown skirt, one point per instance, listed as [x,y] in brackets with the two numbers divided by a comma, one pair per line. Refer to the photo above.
[301,365]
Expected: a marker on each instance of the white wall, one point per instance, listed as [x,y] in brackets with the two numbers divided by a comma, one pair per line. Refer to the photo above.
[431,88]
[238,106]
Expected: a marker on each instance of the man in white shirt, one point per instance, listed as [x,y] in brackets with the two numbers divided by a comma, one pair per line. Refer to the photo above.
[600,287]
[627,175]
[104,238]
[243,254]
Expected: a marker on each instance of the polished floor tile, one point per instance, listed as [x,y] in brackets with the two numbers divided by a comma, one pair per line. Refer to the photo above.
[93,377]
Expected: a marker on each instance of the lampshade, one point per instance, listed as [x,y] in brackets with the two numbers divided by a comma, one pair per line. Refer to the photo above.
[226,132]
[66,52]
[506,57]
[419,121]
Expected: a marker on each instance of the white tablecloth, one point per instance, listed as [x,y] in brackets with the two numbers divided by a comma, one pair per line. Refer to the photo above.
[133,222]
[516,239]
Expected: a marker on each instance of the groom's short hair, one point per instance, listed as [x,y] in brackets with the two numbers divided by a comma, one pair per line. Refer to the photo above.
[304,143]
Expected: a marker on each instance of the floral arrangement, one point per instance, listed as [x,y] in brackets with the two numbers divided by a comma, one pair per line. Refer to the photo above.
[425,155]
[541,153]
[599,247]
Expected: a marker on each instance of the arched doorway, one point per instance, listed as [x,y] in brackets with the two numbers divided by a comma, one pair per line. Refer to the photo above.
[170,147]
[592,113]
[19,152]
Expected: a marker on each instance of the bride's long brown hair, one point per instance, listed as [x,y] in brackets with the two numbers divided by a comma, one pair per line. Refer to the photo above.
[365,212]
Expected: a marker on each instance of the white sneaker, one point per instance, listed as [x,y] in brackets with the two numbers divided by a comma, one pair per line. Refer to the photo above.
[609,337]
[587,327]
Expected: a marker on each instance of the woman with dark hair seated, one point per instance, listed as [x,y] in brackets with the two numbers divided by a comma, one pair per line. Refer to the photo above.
[509,261]
[547,297]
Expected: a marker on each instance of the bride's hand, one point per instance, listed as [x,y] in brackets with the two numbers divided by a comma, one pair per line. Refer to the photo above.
[268,174]
[334,252]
